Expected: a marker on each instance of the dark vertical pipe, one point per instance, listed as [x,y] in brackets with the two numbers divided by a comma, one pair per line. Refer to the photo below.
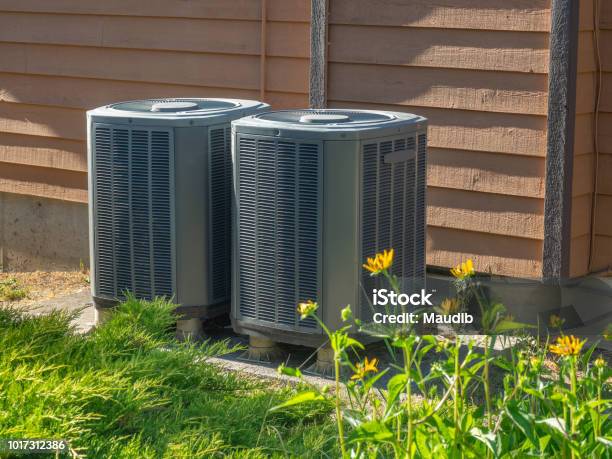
[560,145]
[318,53]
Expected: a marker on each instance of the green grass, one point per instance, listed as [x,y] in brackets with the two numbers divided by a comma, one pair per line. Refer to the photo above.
[128,390]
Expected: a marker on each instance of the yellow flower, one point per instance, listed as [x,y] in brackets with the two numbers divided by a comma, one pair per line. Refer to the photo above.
[380,262]
[567,345]
[365,367]
[536,363]
[599,362]
[307,309]
[555,321]
[449,306]
[346,313]
[463,270]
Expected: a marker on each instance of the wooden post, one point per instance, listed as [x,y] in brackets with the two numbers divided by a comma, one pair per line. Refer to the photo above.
[318,53]
[560,147]
[263,44]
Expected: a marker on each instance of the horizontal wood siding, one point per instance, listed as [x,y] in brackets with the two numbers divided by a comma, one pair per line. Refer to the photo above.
[583,182]
[602,247]
[592,234]
[64,57]
[479,72]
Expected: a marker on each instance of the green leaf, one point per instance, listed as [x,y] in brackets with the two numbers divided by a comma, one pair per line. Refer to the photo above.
[584,359]
[524,422]
[479,412]
[303,397]
[558,424]
[444,429]
[371,381]
[372,431]
[605,441]
[489,439]
[534,393]
[346,313]
[394,387]
[544,440]
[509,325]
[422,446]
[352,342]
[283,370]
[502,363]
[353,417]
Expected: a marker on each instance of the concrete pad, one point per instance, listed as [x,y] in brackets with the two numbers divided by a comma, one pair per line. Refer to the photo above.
[80,300]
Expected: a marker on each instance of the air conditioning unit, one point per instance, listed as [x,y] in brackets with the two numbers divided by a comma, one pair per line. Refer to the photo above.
[160,201]
[315,193]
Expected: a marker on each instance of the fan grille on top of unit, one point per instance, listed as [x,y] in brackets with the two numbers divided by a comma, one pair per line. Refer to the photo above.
[355,117]
[203,105]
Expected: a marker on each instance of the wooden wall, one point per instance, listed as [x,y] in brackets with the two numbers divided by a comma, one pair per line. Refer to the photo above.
[602,253]
[594,78]
[62,57]
[584,145]
[478,70]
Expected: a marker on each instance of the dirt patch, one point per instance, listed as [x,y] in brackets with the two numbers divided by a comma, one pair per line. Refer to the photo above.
[42,285]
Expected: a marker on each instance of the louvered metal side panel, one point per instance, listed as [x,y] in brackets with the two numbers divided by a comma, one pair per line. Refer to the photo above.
[410,216]
[387,210]
[220,188]
[385,174]
[398,199]
[279,224]
[132,198]
[369,216]
[287,268]
[121,210]
[141,215]
[309,174]
[266,230]
[103,212]
[161,214]
[421,208]
[247,227]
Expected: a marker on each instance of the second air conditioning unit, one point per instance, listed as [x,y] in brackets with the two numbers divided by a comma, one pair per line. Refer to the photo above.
[159,201]
[315,193]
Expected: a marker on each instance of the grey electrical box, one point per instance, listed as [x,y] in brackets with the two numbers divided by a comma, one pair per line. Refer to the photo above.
[315,193]
[160,200]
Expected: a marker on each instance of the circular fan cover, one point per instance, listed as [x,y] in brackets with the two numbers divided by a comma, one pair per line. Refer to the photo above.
[165,106]
[337,118]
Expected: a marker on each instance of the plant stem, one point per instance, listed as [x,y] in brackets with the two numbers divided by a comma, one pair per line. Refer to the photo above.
[399,429]
[486,382]
[597,427]
[407,364]
[456,394]
[572,413]
[338,410]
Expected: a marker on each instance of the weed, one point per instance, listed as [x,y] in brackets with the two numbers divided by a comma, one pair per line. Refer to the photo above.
[538,413]
[12,290]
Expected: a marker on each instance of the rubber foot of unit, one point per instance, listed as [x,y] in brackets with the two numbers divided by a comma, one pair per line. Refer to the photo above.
[262,350]
[188,329]
[102,315]
[324,365]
